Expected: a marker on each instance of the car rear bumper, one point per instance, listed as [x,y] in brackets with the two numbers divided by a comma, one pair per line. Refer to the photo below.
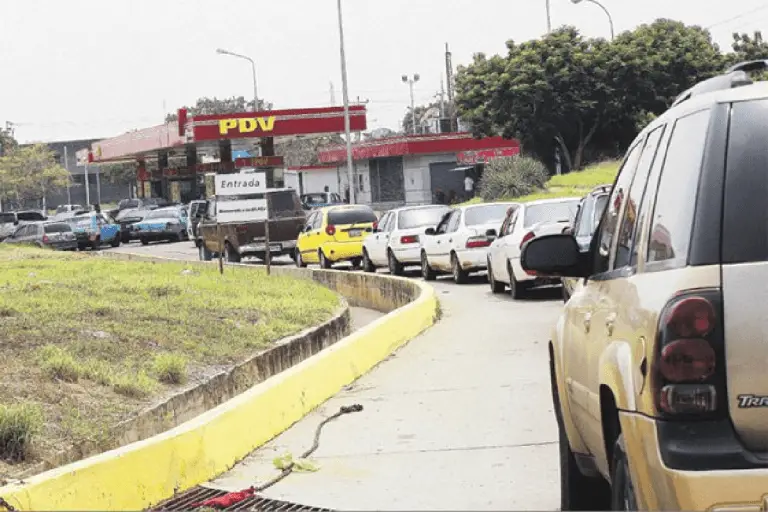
[658,487]
[408,255]
[286,247]
[64,246]
[156,235]
[339,251]
[473,259]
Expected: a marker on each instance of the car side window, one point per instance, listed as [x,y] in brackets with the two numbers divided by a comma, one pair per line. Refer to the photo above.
[628,229]
[318,222]
[442,228]
[505,223]
[310,221]
[513,221]
[453,225]
[391,222]
[610,221]
[675,203]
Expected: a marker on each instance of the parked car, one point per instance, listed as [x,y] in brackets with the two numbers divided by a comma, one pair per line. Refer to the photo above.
[658,360]
[10,221]
[248,239]
[127,218]
[458,245]
[395,239]
[521,224]
[320,200]
[54,235]
[334,234]
[163,224]
[136,203]
[195,211]
[588,215]
[94,230]
[68,208]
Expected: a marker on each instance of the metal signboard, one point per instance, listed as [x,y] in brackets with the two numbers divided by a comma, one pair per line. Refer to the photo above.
[241,184]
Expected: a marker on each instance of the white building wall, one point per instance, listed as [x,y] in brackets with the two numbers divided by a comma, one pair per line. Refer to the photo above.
[363,190]
[418,184]
[316,180]
[291,179]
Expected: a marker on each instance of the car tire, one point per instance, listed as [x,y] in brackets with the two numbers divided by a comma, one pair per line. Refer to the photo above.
[324,262]
[144,241]
[298,259]
[115,242]
[355,263]
[623,495]
[395,267]
[516,288]
[427,272]
[368,265]
[204,253]
[459,274]
[577,491]
[496,286]
[230,254]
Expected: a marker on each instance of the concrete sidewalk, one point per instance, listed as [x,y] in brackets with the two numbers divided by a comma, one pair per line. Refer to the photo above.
[459,419]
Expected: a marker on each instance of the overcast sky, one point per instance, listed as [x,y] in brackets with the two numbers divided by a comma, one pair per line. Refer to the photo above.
[85,68]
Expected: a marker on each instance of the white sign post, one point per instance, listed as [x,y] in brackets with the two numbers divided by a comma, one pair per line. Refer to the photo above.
[234,205]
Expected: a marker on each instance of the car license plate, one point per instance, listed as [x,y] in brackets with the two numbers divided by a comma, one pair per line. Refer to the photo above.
[275,247]
[355,232]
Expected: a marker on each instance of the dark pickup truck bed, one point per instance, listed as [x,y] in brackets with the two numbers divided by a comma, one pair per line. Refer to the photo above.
[247,239]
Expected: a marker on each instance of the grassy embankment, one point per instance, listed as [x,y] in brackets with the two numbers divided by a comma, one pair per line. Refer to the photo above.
[574,184]
[88,342]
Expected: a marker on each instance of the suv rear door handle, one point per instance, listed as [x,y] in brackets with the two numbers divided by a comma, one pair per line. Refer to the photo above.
[587,322]
[609,322]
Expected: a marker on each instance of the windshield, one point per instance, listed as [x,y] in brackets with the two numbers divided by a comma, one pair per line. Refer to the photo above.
[128,203]
[58,228]
[162,214]
[420,217]
[81,222]
[561,211]
[30,216]
[485,214]
[315,198]
[7,218]
[353,215]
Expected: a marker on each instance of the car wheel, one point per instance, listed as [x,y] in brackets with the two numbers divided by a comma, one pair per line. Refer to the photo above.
[355,263]
[325,262]
[496,286]
[395,267]
[516,288]
[459,274]
[204,253]
[230,254]
[144,241]
[368,265]
[115,242]
[427,272]
[298,259]
[623,495]
[577,491]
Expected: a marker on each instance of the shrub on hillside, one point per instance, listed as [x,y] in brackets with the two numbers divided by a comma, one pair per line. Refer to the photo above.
[510,177]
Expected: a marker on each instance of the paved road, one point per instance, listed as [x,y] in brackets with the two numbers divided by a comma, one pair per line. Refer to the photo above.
[459,419]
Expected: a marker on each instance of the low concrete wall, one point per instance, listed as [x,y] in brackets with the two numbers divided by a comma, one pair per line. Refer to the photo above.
[146,472]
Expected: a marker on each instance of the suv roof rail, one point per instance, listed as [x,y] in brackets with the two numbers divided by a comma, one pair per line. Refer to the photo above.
[735,76]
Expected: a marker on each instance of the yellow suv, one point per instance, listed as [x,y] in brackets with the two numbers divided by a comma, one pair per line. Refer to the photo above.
[659,361]
[334,234]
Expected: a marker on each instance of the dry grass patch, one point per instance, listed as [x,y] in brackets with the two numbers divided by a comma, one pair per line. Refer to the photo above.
[89,342]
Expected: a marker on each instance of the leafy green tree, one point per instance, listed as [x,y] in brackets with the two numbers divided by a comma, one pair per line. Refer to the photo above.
[29,172]
[212,106]
[746,47]
[120,172]
[7,142]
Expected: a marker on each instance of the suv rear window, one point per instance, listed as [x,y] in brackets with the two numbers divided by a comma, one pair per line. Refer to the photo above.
[745,209]
[421,217]
[30,216]
[58,228]
[486,214]
[354,215]
[284,204]
[562,211]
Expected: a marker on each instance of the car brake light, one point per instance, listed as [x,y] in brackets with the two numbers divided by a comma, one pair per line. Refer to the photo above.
[527,237]
[409,239]
[375,226]
[241,229]
[689,374]
[474,242]
[45,239]
[330,230]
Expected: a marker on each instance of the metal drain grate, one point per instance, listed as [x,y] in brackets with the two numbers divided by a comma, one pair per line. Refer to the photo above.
[256,503]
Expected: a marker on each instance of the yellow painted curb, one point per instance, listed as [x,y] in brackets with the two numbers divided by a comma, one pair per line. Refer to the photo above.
[142,474]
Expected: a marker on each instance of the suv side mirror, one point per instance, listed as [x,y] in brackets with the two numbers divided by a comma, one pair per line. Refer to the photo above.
[16,222]
[429,231]
[554,255]
[307,228]
[491,233]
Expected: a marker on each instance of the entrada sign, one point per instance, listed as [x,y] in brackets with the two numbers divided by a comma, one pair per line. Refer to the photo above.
[247,124]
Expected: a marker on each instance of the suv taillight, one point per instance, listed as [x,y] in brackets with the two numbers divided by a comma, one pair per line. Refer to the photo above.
[330,230]
[45,239]
[527,237]
[689,366]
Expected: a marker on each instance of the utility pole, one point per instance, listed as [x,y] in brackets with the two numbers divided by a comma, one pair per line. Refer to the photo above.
[345,93]
[449,86]
[69,178]
[549,17]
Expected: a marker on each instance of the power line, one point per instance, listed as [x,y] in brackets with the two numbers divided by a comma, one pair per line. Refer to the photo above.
[739,16]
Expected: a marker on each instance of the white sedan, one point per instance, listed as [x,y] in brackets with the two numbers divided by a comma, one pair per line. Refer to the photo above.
[395,241]
[459,243]
[535,218]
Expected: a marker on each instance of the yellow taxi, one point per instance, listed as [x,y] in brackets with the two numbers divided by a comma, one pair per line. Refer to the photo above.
[334,234]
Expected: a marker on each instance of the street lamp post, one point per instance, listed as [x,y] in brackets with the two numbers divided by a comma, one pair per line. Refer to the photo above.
[410,81]
[597,3]
[345,93]
[221,51]
[549,17]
